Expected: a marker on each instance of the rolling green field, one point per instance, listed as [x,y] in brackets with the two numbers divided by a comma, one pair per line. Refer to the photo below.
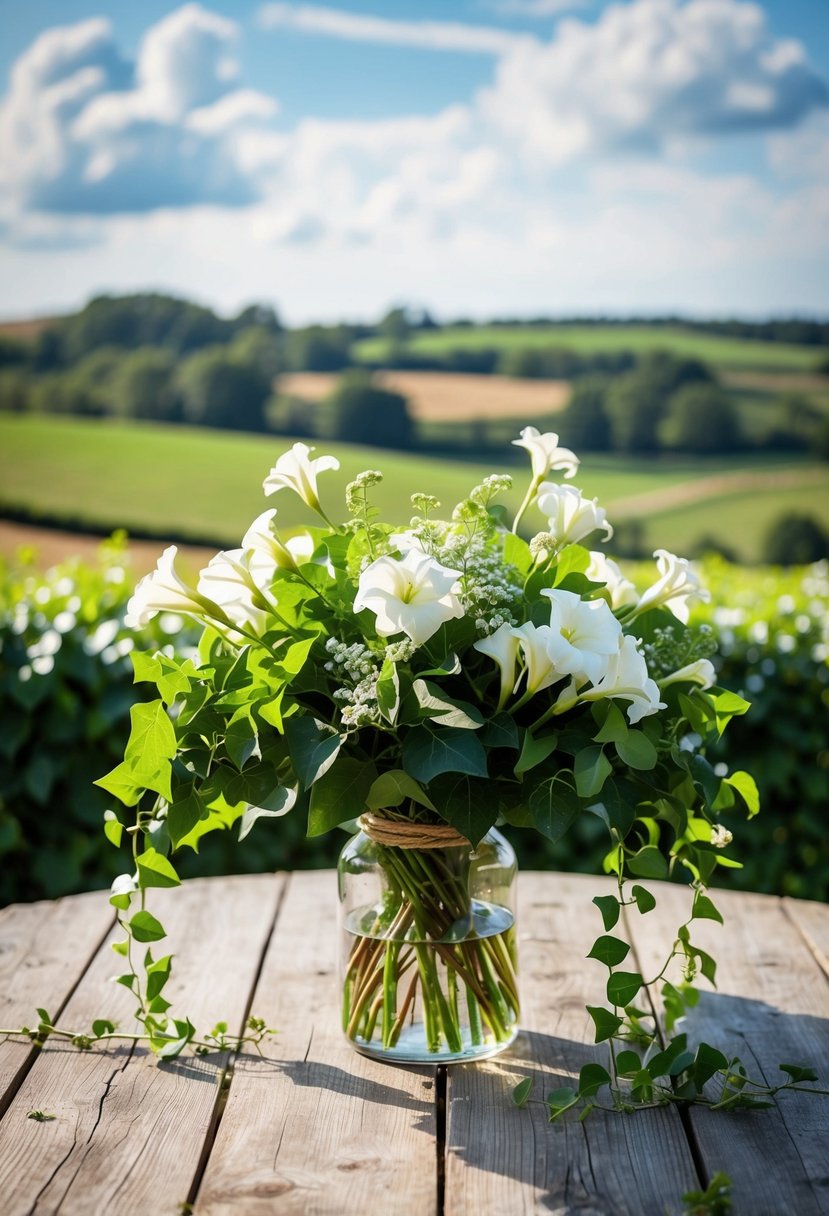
[199,484]
[590,339]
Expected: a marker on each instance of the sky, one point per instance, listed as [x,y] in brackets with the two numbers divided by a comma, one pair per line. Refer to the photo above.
[477,158]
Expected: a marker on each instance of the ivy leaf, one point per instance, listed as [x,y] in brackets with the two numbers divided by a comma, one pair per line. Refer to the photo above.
[605,1022]
[636,751]
[151,746]
[591,770]
[553,805]
[145,928]
[467,804]
[313,747]
[241,738]
[522,1091]
[561,1100]
[534,750]
[609,907]
[274,807]
[615,726]
[622,987]
[183,813]
[609,950]
[157,975]
[708,1062]
[628,1063]
[746,787]
[429,752]
[798,1073]
[648,863]
[442,710]
[394,787]
[113,828]
[154,870]
[388,691]
[591,1079]
[704,909]
[645,902]
[122,783]
[500,731]
[340,794]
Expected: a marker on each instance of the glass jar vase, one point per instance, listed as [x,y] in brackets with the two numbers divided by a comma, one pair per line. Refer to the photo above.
[428,961]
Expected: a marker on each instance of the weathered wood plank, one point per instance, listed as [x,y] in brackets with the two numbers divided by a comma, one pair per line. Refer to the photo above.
[39,966]
[812,919]
[129,1132]
[500,1159]
[315,1127]
[771,1007]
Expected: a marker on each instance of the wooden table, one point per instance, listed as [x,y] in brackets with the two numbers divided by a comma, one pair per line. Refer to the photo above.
[315,1128]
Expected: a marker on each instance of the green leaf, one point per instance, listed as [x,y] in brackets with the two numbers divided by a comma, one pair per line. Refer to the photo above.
[241,738]
[151,746]
[609,907]
[746,787]
[465,803]
[615,726]
[660,1065]
[704,909]
[591,1079]
[146,667]
[561,1100]
[388,691]
[628,1063]
[798,1073]
[183,813]
[636,751]
[708,1061]
[591,770]
[645,902]
[648,863]
[622,987]
[553,805]
[340,794]
[534,750]
[517,553]
[102,1026]
[113,828]
[154,870]
[313,747]
[605,1022]
[392,788]
[442,710]
[609,950]
[500,731]
[145,928]
[123,784]
[157,975]
[274,807]
[522,1091]
[428,751]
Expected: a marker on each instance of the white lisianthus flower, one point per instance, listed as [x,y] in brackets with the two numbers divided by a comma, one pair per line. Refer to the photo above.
[570,516]
[546,454]
[414,595]
[701,672]
[584,634]
[603,569]
[502,646]
[164,590]
[296,471]
[228,580]
[534,641]
[676,587]
[627,679]
[269,553]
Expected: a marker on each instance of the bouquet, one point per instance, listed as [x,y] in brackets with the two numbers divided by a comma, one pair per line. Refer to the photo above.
[428,679]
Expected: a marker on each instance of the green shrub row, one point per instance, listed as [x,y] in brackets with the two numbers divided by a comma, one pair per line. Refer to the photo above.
[66,687]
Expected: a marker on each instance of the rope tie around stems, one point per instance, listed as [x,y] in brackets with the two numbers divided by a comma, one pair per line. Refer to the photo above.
[408,835]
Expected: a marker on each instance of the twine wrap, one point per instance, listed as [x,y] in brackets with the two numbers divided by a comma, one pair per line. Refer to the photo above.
[407,835]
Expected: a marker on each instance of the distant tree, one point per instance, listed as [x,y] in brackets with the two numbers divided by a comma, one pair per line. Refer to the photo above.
[358,411]
[583,424]
[795,539]
[142,385]
[395,326]
[15,389]
[141,320]
[259,347]
[700,418]
[637,401]
[259,316]
[13,352]
[318,348]
[217,390]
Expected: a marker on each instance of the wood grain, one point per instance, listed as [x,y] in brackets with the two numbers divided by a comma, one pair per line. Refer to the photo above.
[315,1127]
[501,1159]
[129,1132]
[44,949]
[771,1007]
[812,920]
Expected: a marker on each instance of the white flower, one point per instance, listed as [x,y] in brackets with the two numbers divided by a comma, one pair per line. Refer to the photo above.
[414,595]
[268,553]
[295,471]
[228,580]
[570,517]
[676,586]
[164,590]
[584,634]
[720,836]
[603,569]
[534,641]
[502,646]
[701,672]
[546,454]
[627,678]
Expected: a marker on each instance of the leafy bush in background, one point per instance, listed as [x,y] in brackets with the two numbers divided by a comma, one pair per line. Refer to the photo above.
[66,686]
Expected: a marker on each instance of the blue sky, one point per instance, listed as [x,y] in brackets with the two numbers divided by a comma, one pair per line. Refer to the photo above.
[486,157]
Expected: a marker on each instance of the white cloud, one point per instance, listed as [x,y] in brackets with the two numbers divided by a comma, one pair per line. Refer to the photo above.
[646,73]
[82,131]
[536,8]
[358,27]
